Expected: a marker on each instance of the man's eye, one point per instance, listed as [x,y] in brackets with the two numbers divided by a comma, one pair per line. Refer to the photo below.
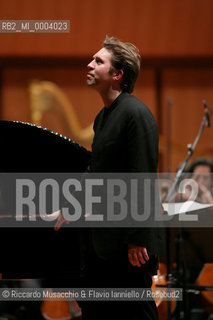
[98,61]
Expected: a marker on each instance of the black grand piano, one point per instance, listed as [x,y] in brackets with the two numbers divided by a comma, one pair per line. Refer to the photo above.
[37,252]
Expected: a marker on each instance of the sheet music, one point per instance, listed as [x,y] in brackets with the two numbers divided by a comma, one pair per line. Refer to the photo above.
[182,207]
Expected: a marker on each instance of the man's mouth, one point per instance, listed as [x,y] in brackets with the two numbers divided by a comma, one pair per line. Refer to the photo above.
[89,75]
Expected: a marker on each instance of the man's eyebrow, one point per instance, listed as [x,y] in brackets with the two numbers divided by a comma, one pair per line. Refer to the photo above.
[97,57]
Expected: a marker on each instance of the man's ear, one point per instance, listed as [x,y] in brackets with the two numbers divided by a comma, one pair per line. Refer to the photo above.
[118,74]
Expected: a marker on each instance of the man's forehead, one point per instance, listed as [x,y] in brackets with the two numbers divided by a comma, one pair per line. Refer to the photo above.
[103,53]
[202,169]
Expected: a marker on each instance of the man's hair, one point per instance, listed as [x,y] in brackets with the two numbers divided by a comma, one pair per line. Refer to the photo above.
[208,162]
[126,57]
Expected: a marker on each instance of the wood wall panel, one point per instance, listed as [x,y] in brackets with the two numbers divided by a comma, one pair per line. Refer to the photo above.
[145,89]
[187,88]
[159,28]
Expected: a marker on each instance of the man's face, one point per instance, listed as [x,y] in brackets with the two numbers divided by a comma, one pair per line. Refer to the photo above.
[202,176]
[99,75]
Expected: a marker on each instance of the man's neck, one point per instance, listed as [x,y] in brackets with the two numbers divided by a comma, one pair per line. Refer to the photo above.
[109,97]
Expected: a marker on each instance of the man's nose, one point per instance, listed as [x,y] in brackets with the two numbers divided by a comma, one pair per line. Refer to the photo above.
[90,65]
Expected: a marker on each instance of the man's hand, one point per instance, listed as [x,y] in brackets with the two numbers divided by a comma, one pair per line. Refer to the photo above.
[60,220]
[204,195]
[137,255]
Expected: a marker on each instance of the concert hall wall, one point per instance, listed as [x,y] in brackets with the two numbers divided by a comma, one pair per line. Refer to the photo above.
[174,38]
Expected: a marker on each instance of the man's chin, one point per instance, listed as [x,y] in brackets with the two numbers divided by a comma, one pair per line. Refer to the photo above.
[90,82]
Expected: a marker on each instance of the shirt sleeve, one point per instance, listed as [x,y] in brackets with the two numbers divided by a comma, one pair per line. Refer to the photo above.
[142,142]
[142,152]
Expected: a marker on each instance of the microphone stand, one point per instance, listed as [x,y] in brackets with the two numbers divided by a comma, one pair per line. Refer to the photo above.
[205,122]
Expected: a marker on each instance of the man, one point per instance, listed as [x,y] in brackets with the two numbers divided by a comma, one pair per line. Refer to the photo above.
[125,140]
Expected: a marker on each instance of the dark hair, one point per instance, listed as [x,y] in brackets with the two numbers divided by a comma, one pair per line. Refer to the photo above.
[126,57]
[200,162]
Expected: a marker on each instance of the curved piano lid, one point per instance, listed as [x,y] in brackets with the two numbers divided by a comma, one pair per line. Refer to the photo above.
[26,147]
